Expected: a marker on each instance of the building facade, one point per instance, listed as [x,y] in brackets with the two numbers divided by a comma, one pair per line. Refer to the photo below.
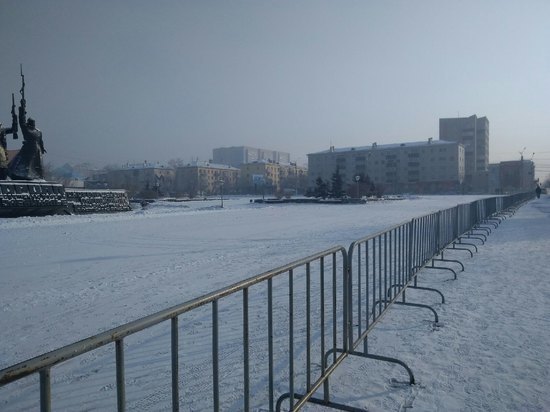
[260,177]
[473,133]
[205,178]
[512,176]
[236,156]
[293,178]
[142,180]
[431,166]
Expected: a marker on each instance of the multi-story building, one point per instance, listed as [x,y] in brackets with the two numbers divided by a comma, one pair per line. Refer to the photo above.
[236,156]
[142,179]
[473,133]
[293,178]
[259,177]
[426,167]
[205,178]
[512,176]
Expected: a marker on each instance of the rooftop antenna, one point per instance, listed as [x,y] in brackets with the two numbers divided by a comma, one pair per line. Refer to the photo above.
[521,152]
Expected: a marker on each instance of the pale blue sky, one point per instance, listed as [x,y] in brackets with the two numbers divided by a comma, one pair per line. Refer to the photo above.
[118,81]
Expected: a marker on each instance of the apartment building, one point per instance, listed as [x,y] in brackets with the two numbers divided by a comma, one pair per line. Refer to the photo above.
[260,176]
[473,133]
[430,166]
[512,176]
[238,155]
[142,179]
[205,178]
[293,178]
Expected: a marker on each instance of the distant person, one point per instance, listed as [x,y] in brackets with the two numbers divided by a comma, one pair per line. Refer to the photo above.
[538,191]
[27,164]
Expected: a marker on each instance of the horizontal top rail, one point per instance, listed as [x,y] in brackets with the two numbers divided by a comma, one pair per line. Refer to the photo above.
[379,233]
[65,353]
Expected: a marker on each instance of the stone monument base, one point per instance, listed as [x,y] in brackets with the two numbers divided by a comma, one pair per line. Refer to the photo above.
[41,198]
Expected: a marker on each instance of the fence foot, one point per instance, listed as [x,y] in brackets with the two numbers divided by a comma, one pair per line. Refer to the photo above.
[492,221]
[463,244]
[386,359]
[429,289]
[485,229]
[476,236]
[442,268]
[329,404]
[450,260]
[417,287]
[419,305]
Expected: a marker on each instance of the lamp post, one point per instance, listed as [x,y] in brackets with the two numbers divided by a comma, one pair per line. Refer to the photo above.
[221,181]
[296,176]
[357,178]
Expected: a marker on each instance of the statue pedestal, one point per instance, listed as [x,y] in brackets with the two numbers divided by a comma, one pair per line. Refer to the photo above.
[41,198]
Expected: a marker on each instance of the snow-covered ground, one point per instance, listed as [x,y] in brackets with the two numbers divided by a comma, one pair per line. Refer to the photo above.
[64,278]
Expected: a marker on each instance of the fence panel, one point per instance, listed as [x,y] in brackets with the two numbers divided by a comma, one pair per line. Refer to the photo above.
[275,327]
[379,269]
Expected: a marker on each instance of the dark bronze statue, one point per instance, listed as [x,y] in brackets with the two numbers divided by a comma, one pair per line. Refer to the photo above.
[3,143]
[27,164]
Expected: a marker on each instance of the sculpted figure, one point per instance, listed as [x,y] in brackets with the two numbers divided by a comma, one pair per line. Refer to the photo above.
[27,164]
[4,144]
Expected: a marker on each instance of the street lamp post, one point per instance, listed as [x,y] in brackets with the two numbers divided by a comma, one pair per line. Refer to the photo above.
[221,190]
[357,178]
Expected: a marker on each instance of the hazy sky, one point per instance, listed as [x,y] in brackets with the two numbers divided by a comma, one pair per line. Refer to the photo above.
[111,82]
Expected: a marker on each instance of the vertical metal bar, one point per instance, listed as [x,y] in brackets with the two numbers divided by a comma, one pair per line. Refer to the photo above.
[45,391]
[393,279]
[410,253]
[379,275]
[400,258]
[291,337]
[347,330]
[374,279]
[120,390]
[308,325]
[359,308]
[334,320]
[348,302]
[385,269]
[322,306]
[416,252]
[270,340]
[215,358]
[404,251]
[246,351]
[367,294]
[175,365]
[367,290]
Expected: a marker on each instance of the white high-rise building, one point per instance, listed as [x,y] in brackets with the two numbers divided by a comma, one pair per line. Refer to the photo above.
[473,133]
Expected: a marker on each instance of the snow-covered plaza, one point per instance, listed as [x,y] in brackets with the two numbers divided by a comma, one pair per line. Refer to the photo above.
[65,278]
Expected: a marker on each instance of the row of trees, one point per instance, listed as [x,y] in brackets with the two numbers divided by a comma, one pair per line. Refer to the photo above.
[337,190]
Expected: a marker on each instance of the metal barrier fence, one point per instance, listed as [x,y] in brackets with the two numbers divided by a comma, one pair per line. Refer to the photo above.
[328,303]
[307,295]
